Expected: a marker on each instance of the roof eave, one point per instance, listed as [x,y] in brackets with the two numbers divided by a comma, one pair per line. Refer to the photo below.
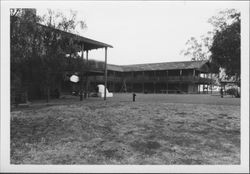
[80,39]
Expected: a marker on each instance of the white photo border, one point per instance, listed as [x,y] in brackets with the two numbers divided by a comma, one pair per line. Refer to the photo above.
[5,107]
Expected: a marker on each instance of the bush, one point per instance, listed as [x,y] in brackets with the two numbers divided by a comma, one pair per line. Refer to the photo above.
[233,91]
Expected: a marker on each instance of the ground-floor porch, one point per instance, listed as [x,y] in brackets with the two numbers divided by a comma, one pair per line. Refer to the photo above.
[151,87]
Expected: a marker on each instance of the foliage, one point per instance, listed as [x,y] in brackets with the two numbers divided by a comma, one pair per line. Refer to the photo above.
[221,46]
[233,92]
[226,46]
[223,19]
[23,44]
[200,48]
[197,49]
[58,20]
[38,51]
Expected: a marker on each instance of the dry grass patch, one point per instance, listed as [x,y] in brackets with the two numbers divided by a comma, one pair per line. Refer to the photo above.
[122,132]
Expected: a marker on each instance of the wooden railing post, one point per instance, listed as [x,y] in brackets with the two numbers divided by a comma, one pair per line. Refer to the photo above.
[105,74]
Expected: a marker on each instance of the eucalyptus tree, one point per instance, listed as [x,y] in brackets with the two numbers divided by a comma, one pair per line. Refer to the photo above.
[38,47]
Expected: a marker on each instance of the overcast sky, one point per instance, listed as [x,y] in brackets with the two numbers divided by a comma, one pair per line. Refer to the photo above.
[145,32]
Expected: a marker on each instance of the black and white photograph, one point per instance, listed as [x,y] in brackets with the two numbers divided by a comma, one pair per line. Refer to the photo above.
[101,85]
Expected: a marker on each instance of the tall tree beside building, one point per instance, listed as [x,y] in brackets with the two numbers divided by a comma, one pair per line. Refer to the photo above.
[225,48]
[57,45]
[38,52]
[23,49]
[200,48]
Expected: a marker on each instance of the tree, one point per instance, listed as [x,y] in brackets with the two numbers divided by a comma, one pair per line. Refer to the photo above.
[221,46]
[63,45]
[223,19]
[198,49]
[22,37]
[38,51]
[58,20]
[226,45]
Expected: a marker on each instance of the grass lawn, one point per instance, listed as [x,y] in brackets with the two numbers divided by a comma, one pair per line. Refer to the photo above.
[156,129]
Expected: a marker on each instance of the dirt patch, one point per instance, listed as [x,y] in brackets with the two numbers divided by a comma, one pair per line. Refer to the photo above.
[147,147]
[210,120]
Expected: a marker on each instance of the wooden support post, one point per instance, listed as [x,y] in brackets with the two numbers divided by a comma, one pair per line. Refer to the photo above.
[202,88]
[211,83]
[86,74]
[113,81]
[180,75]
[105,75]
[206,76]
[167,88]
[81,74]
[82,51]
[87,56]
[193,72]
[180,87]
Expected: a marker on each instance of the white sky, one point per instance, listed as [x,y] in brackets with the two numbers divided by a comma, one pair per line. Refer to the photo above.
[145,32]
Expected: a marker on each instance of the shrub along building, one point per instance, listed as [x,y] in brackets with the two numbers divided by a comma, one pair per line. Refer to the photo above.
[169,77]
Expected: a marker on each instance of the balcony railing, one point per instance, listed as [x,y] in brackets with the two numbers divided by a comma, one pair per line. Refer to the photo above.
[95,65]
[141,79]
[110,78]
[167,78]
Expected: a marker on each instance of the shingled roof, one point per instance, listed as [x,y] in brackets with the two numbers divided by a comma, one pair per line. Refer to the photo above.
[198,65]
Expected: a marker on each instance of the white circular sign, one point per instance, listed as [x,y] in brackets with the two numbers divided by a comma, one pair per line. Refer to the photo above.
[74,78]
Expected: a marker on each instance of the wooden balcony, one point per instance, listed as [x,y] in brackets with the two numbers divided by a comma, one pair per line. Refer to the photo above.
[110,78]
[90,67]
[193,79]
[147,79]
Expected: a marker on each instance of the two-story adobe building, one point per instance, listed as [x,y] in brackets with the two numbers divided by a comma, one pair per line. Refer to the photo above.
[168,77]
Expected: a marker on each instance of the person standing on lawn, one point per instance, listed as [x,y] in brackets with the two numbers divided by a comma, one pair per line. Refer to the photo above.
[134,96]
[221,92]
